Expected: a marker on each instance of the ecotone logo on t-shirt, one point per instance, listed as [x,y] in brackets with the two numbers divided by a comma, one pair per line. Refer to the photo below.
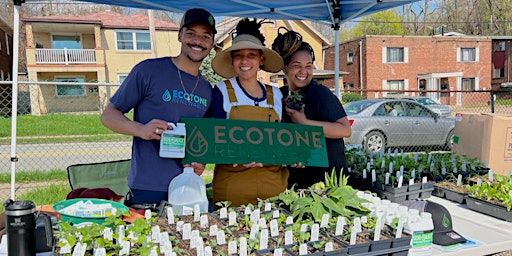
[182,97]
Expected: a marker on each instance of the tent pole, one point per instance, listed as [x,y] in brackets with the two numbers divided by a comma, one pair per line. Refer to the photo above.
[14,109]
[337,62]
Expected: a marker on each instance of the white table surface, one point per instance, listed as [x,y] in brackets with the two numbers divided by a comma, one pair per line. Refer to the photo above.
[495,234]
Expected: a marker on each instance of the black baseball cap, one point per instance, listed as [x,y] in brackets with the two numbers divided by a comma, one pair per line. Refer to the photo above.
[442,220]
[198,15]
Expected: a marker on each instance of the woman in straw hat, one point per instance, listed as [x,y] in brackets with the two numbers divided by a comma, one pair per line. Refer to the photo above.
[321,107]
[243,97]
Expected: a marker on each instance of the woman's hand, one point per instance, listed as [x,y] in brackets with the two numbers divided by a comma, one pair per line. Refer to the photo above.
[198,168]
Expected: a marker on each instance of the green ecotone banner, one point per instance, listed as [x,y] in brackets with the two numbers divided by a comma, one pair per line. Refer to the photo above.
[223,141]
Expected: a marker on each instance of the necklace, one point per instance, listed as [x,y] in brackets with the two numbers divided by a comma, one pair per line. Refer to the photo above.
[183,86]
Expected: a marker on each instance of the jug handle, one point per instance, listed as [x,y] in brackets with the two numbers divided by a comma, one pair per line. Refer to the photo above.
[48,228]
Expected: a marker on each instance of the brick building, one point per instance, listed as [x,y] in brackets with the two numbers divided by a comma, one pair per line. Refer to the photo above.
[436,64]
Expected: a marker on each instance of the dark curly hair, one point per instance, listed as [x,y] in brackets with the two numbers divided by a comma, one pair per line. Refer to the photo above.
[251,27]
[288,43]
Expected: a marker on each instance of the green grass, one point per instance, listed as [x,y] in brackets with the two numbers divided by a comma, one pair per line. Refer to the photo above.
[507,102]
[36,176]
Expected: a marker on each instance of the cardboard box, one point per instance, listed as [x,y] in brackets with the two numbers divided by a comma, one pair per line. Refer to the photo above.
[487,137]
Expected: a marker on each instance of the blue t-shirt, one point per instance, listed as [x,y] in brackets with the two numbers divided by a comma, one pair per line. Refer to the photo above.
[154,91]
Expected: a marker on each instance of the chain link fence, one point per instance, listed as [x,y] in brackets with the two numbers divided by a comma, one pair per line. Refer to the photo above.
[38,149]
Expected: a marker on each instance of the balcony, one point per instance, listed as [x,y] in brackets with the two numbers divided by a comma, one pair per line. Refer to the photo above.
[65,56]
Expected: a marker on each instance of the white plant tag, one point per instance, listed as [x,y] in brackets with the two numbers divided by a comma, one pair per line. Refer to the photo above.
[374,175]
[424,179]
[315,232]
[364,219]
[247,210]
[221,237]
[304,227]
[275,214]
[464,167]
[187,231]
[179,225]
[491,175]
[390,167]
[459,180]
[200,247]
[155,234]
[203,222]
[400,181]
[289,220]
[401,170]
[413,174]
[431,167]
[274,229]
[264,239]
[454,169]
[383,164]
[255,215]
[278,252]
[288,237]
[254,231]
[303,249]
[147,214]
[340,222]
[386,182]
[197,213]
[164,237]
[194,236]
[268,207]
[429,158]
[125,248]
[325,220]
[364,174]
[107,233]
[399,227]
[262,223]
[166,247]
[213,230]
[232,218]
[411,182]
[479,182]
[329,247]
[232,247]
[170,216]
[243,246]
[79,249]
[66,249]
[357,224]
[395,153]
[353,235]
[349,170]
[120,232]
[223,213]
[99,251]
[208,251]
[376,234]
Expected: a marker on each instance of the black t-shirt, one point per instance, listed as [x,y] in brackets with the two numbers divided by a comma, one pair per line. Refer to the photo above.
[320,104]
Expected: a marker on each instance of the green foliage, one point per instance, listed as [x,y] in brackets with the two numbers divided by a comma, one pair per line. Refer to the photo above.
[351,96]
[499,191]
[381,23]
[207,71]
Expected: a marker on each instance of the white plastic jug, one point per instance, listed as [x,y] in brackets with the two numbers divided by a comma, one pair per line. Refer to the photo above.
[421,227]
[187,190]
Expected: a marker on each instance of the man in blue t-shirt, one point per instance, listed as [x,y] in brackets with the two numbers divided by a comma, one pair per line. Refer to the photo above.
[159,91]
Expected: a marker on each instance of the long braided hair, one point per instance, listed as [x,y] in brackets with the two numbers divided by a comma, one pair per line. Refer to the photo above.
[288,43]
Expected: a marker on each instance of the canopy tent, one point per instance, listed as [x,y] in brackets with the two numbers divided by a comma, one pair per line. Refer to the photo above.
[333,12]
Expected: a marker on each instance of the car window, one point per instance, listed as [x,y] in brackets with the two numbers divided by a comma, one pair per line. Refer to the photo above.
[390,108]
[417,110]
[356,106]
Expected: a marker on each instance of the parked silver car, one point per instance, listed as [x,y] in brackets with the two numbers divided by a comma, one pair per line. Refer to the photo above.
[381,123]
[443,110]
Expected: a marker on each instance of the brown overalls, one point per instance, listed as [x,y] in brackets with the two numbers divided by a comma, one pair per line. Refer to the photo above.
[241,185]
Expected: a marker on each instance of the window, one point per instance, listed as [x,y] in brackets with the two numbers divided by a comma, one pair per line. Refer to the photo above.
[468,84]
[121,77]
[467,54]
[397,85]
[133,40]
[70,90]
[395,54]
[498,73]
[499,47]
[66,41]
[350,57]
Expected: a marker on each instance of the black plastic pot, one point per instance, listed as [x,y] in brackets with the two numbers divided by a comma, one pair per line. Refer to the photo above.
[488,208]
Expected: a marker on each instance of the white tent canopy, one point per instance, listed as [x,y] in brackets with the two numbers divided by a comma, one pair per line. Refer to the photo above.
[333,12]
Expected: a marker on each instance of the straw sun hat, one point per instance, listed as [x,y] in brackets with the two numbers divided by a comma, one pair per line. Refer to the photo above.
[223,65]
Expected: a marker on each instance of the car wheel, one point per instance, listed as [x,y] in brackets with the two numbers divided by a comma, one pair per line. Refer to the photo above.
[374,141]
[449,141]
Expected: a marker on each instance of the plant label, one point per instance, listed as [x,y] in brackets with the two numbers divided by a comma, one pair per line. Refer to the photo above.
[459,180]
[66,248]
[221,237]
[387,179]
[357,224]
[288,237]
[79,249]
[383,163]
[255,215]
[376,234]
[364,174]
[187,230]
[170,216]
[264,239]
[315,232]
[165,247]
[99,251]
[411,182]
[268,207]
[213,230]
[232,218]
[232,247]
[200,247]
[243,246]
[325,220]
[340,222]
[120,232]
[278,252]
[303,249]
[479,182]
[153,252]
[203,222]
[491,175]
[413,174]
[329,247]
[208,251]
[147,215]
[429,159]
[223,213]
[399,227]
[164,237]
[368,166]
[275,214]
[374,175]
[304,227]
[247,210]
[353,235]
[262,222]
[194,236]
[401,170]
[107,233]
[390,167]
[179,225]
[400,181]
[155,234]
[125,248]
[254,231]
[197,213]
[424,179]
[274,229]
[289,220]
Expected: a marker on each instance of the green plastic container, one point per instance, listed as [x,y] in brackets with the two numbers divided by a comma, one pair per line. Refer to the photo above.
[77,220]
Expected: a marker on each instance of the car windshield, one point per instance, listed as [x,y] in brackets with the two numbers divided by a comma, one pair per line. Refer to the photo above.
[357,106]
[426,101]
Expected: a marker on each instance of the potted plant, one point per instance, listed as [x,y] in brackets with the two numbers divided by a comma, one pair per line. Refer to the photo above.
[295,100]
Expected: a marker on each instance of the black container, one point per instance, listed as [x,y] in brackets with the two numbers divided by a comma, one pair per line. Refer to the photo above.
[20,223]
